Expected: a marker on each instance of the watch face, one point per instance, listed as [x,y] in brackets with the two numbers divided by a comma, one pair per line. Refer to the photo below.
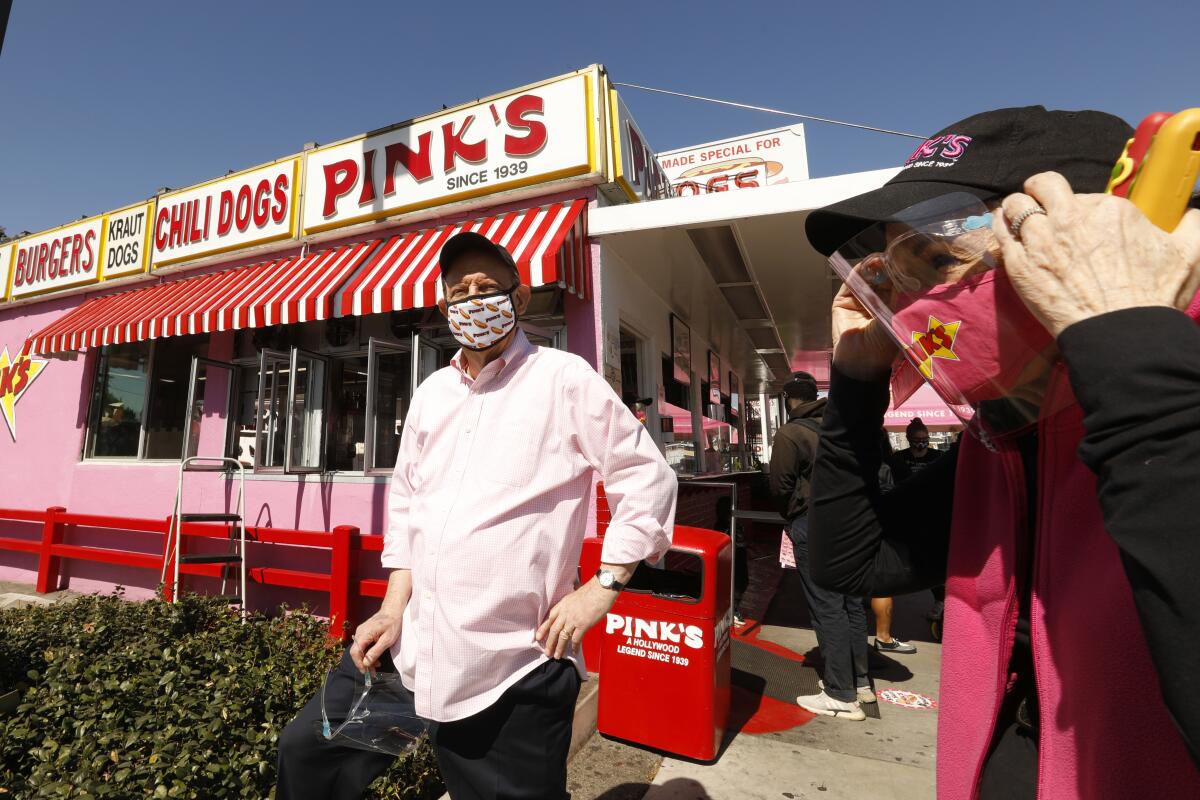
[606,579]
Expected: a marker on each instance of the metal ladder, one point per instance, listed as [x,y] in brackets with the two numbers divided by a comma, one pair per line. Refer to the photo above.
[227,560]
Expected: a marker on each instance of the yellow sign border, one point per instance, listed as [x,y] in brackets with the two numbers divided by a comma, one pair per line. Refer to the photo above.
[146,254]
[291,231]
[8,279]
[62,287]
[566,172]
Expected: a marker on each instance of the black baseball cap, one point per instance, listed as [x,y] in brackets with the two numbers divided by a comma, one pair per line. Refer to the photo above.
[467,242]
[988,155]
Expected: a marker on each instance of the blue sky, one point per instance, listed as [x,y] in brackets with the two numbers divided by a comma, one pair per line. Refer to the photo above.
[102,103]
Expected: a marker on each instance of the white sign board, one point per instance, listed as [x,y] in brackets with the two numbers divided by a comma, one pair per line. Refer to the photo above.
[249,208]
[744,162]
[57,259]
[635,166]
[127,241]
[530,136]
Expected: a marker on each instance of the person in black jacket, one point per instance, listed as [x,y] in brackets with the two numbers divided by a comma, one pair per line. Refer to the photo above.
[918,455]
[838,620]
[1108,288]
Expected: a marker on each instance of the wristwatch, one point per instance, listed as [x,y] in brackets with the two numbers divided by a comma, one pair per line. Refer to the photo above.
[608,580]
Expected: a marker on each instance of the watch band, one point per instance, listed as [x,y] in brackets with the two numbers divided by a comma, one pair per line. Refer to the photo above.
[614,584]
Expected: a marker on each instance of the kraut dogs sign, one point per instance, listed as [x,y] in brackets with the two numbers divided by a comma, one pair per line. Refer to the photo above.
[746,162]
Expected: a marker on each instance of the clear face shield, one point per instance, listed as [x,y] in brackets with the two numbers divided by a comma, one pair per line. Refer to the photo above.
[933,278]
[381,716]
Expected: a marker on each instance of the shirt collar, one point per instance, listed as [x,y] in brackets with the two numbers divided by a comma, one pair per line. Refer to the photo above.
[518,350]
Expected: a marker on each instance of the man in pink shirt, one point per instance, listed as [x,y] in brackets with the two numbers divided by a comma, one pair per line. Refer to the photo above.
[487,511]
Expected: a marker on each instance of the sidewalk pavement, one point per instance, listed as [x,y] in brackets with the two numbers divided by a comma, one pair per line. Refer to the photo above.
[824,759]
[16,595]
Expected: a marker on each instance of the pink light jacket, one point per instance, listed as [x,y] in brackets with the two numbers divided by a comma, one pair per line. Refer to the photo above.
[1105,731]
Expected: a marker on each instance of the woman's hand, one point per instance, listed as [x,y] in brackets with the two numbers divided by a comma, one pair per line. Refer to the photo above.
[862,349]
[1090,254]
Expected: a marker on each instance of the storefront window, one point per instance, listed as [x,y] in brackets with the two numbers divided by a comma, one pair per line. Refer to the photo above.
[139,402]
[169,378]
[347,442]
[391,375]
[274,378]
[115,420]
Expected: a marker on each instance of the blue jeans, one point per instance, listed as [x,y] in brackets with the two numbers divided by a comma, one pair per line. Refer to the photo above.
[839,621]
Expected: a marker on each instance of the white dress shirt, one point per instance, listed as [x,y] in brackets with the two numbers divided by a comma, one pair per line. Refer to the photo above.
[488,507]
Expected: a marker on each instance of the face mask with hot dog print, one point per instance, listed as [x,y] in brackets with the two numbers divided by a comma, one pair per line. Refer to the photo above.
[481,321]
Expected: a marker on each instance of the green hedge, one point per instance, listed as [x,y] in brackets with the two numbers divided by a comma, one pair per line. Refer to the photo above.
[153,700]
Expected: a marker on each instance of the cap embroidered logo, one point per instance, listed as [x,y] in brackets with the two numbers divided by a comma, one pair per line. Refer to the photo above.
[940,151]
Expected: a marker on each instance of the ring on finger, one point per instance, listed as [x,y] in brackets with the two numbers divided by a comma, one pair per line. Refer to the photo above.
[565,634]
[1019,220]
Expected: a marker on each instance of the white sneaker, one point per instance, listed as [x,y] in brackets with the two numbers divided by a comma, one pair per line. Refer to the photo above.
[826,706]
[864,693]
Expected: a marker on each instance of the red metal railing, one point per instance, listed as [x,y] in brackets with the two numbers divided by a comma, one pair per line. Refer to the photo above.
[341,582]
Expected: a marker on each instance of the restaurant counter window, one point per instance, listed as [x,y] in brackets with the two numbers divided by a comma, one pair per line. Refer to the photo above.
[311,401]
[139,400]
[332,396]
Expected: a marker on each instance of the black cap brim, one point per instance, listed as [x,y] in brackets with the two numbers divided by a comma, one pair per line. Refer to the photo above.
[470,242]
[831,227]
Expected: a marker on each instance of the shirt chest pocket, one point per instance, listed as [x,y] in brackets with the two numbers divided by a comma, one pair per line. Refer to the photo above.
[513,453]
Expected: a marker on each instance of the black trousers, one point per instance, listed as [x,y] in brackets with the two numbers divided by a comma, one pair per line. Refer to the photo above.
[839,621]
[514,750]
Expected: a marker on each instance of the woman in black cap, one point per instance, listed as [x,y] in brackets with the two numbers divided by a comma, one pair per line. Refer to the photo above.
[1063,524]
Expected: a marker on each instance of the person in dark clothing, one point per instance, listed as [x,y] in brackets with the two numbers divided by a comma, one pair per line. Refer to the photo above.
[1033,704]
[839,621]
[918,455]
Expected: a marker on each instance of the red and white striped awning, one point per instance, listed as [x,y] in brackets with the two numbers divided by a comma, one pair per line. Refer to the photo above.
[548,243]
[294,289]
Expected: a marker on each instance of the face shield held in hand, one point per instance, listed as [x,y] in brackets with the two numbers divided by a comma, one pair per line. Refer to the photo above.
[933,277]
[381,716]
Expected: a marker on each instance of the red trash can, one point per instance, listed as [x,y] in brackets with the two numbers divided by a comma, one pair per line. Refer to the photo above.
[664,649]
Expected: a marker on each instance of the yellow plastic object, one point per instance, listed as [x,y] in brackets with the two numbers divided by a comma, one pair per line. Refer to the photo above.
[1164,184]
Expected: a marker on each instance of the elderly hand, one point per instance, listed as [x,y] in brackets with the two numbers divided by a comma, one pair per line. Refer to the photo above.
[372,639]
[573,616]
[862,349]
[1090,254]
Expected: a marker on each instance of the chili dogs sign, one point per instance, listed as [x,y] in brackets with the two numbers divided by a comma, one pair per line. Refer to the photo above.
[745,162]
[249,208]
[530,136]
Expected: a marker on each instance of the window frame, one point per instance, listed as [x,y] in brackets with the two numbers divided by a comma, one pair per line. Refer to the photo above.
[323,429]
[232,388]
[375,347]
[259,417]
[100,373]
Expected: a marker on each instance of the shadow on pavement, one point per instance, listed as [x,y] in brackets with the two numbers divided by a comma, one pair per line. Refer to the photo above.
[674,789]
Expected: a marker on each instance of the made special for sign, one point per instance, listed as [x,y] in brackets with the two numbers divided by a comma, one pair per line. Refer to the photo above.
[744,162]
[245,209]
[530,136]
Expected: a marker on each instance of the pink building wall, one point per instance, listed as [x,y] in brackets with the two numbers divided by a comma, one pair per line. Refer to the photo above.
[43,466]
